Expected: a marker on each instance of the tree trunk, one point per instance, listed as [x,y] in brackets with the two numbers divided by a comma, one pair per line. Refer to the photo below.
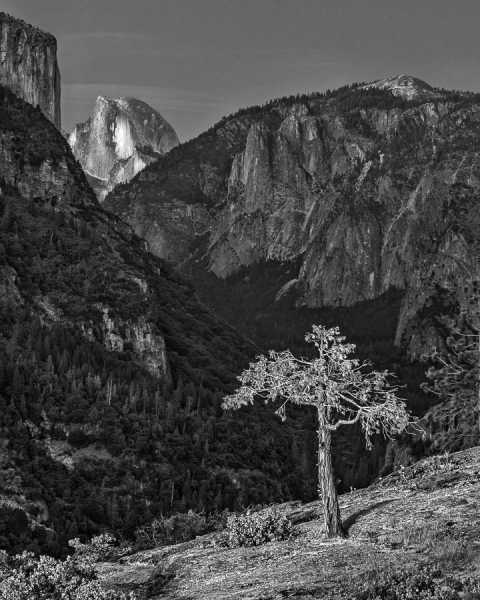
[327,489]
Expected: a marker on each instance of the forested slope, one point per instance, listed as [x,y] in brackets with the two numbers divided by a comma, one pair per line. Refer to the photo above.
[111,371]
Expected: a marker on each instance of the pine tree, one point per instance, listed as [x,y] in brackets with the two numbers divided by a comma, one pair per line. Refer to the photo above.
[341,390]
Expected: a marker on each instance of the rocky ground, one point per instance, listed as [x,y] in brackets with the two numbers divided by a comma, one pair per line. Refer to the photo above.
[426,512]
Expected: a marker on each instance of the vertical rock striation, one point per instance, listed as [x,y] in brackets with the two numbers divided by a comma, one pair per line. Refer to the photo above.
[28,65]
[120,138]
[367,188]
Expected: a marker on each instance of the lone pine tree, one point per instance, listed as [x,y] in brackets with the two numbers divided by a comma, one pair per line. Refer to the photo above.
[343,390]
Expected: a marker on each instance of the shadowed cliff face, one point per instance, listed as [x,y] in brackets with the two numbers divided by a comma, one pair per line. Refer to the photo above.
[120,138]
[28,65]
[368,189]
[35,158]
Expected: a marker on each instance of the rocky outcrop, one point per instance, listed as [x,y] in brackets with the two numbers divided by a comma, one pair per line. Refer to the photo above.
[407,87]
[185,211]
[147,345]
[367,191]
[121,137]
[28,65]
[10,296]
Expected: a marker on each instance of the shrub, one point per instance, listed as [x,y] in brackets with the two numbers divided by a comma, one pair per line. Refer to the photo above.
[425,582]
[180,527]
[101,547]
[27,577]
[257,528]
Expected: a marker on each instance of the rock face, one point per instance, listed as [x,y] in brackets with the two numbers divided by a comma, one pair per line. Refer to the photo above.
[407,87]
[28,65]
[121,137]
[148,346]
[367,187]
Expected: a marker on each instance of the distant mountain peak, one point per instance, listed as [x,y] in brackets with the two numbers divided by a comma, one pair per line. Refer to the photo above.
[410,88]
[121,137]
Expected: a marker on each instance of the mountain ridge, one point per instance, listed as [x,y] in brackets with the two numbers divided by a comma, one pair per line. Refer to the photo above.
[407,86]
[337,180]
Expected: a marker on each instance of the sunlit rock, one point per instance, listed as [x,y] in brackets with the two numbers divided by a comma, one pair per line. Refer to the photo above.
[120,138]
[28,65]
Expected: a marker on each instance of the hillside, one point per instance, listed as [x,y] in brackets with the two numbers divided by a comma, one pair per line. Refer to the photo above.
[111,371]
[425,514]
[356,207]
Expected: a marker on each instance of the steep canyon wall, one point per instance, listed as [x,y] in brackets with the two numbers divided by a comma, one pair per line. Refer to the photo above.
[369,192]
[28,65]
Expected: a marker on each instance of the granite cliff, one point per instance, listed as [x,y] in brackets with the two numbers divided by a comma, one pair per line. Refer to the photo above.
[28,65]
[364,189]
[118,140]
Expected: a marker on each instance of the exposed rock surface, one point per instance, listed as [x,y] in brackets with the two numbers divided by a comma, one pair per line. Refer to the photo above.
[148,345]
[369,189]
[9,294]
[415,516]
[407,87]
[120,138]
[28,65]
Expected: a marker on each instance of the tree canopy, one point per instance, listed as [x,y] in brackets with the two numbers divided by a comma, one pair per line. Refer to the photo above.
[348,390]
[344,392]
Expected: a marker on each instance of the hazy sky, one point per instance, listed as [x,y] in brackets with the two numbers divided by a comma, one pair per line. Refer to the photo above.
[198,60]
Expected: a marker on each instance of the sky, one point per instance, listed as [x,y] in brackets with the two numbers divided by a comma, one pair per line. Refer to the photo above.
[198,60]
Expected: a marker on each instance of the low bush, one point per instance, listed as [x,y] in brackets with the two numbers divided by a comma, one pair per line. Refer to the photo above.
[180,527]
[27,577]
[101,547]
[439,464]
[422,583]
[258,528]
